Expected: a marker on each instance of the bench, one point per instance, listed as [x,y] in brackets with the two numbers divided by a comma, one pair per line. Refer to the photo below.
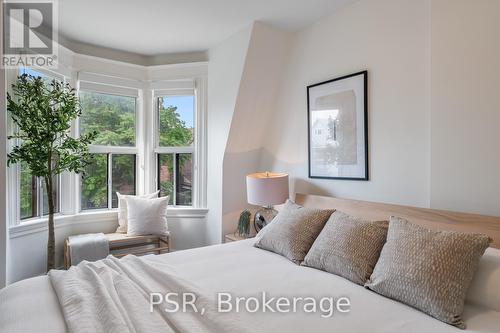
[121,245]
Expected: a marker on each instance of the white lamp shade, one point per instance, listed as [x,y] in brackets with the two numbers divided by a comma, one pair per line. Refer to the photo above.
[267,188]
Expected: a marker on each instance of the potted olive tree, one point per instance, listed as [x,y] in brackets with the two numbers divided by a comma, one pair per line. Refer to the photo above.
[42,113]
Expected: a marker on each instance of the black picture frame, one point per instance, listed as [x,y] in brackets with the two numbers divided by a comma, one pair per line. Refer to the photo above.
[365,176]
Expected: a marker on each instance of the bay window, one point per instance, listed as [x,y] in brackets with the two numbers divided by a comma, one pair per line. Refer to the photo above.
[150,136]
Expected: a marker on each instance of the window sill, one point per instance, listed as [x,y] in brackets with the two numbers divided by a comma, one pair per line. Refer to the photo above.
[186,212]
[100,216]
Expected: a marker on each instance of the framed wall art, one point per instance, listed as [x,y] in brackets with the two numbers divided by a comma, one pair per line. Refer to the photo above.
[337,113]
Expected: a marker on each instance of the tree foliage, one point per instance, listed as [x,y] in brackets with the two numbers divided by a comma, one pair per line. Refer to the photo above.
[173,130]
[111,116]
[94,189]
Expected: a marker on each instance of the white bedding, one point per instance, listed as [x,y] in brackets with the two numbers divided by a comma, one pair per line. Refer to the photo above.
[113,296]
[246,271]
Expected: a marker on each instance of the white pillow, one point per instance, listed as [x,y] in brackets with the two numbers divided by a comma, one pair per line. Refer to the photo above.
[147,216]
[485,287]
[122,209]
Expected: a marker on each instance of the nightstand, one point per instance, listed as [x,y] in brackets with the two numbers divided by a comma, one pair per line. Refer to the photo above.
[233,237]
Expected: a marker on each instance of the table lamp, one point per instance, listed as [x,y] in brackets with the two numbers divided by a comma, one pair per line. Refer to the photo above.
[266,189]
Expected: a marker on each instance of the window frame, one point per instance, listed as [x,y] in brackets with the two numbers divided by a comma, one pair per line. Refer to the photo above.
[182,88]
[100,88]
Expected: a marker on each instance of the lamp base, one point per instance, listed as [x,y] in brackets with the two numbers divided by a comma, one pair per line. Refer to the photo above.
[263,217]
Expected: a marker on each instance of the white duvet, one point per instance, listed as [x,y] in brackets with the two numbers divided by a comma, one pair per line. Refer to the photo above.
[241,269]
[114,295]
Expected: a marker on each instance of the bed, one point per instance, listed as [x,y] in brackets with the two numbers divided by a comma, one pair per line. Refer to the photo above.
[239,268]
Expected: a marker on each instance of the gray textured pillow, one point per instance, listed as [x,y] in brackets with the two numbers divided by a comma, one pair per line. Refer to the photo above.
[429,270]
[292,232]
[348,246]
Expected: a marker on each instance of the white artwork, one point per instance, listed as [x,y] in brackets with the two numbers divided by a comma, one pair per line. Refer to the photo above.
[338,143]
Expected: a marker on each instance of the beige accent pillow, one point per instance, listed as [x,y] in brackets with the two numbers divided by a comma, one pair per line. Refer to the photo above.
[122,209]
[429,270]
[292,232]
[348,246]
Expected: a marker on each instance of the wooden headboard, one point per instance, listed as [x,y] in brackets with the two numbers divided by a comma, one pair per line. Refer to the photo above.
[430,218]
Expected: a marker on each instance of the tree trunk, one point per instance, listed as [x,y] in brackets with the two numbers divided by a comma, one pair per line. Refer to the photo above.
[51,246]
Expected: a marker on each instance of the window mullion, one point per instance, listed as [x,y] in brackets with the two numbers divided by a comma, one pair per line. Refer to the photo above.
[175,150]
[110,181]
[96,149]
[39,193]
[157,173]
[34,196]
[156,124]
[174,187]
[135,174]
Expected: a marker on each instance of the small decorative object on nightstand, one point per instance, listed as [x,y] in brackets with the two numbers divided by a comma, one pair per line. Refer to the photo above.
[244,224]
[234,237]
[266,189]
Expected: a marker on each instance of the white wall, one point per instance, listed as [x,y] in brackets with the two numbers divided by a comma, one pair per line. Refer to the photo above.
[28,249]
[465,117]
[389,38]
[28,246]
[433,101]
[224,75]
[254,105]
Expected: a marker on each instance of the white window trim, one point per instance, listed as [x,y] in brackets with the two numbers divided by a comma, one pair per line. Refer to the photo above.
[167,78]
[200,173]
[103,85]
[108,89]
[94,216]
[196,87]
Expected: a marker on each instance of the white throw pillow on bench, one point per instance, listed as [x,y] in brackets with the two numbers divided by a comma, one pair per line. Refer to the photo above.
[122,209]
[147,216]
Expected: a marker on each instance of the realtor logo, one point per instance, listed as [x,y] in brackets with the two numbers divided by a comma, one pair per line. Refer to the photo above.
[28,33]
